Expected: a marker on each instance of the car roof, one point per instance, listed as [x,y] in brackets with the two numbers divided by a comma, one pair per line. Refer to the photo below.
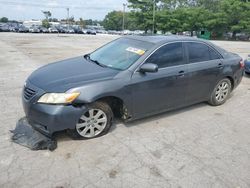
[162,38]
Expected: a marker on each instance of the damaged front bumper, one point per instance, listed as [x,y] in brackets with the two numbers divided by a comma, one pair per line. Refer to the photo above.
[49,119]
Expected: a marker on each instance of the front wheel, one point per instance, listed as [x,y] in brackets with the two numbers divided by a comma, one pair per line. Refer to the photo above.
[95,122]
[221,92]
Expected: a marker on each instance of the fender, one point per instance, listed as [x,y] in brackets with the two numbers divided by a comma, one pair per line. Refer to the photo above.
[115,87]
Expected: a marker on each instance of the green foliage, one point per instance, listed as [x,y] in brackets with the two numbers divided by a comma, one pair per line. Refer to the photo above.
[143,13]
[92,22]
[4,19]
[113,21]
[45,23]
[47,14]
[217,16]
[236,15]
[82,23]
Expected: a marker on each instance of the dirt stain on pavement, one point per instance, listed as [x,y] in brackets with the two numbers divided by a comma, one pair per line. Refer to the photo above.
[113,173]
[68,156]
[155,171]
[157,154]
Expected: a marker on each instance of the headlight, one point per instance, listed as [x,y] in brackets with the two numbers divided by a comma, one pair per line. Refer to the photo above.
[58,98]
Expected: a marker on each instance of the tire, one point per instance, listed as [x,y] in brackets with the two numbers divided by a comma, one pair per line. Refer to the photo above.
[221,92]
[93,123]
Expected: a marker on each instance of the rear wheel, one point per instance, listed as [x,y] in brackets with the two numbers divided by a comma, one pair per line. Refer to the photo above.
[95,122]
[221,92]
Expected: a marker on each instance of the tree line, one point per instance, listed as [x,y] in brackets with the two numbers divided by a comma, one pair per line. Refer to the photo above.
[216,16]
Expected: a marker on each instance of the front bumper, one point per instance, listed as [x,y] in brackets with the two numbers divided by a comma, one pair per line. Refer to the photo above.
[50,118]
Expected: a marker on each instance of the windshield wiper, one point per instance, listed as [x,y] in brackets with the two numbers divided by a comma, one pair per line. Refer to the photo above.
[94,61]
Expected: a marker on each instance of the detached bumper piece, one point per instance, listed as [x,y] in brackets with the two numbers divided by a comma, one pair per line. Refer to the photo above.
[25,135]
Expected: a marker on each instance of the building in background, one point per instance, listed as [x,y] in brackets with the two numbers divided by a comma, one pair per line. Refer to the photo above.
[30,23]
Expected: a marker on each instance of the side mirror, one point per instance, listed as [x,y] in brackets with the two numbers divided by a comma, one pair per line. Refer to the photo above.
[149,67]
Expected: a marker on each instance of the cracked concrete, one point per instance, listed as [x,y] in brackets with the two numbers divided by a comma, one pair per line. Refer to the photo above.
[198,146]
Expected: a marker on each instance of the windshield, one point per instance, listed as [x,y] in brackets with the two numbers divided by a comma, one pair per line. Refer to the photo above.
[121,53]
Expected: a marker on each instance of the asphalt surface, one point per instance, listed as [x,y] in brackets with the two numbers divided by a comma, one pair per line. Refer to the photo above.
[198,146]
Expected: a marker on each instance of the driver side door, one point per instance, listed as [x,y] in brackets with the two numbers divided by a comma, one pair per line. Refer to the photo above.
[162,90]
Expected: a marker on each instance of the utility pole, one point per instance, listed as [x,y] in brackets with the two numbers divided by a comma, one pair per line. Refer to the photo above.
[123,18]
[153,29]
[68,17]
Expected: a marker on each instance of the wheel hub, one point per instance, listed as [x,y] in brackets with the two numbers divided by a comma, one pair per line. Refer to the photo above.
[222,92]
[92,123]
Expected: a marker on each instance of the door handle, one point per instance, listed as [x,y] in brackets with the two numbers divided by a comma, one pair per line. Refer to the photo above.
[220,65]
[181,74]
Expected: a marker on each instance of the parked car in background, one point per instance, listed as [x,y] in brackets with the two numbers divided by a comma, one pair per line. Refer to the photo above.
[69,30]
[84,31]
[34,30]
[127,32]
[60,29]
[23,29]
[129,78]
[247,65]
[4,28]
[53,30]
[138,32]
[12,28]
[43,30]
[242,36]
[91,32]
[78,30]
[102,32]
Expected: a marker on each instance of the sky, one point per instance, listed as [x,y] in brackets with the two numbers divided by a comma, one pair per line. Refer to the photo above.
[32,9]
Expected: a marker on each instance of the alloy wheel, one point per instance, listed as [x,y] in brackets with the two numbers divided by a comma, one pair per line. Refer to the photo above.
[222,91]
[92,123]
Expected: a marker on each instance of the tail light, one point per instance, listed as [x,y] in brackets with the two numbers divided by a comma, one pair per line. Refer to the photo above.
[242,64]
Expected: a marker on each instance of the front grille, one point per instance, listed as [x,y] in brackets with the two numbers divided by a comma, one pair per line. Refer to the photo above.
[28,93]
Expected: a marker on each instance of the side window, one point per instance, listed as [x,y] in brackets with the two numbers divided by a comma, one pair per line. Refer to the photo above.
[199,52]
[214,54]
[168,55]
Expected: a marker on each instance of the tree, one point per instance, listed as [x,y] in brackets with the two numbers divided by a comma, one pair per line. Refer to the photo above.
[130,22]
[45,22]
[236,15]
[193,19]
[89,22]
[113,21]
[4,20]
[82,23]
[217,16]
[212,5]
[174,4]
[47,14]
[143,12]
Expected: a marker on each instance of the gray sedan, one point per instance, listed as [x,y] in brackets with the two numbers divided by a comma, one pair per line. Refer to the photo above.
[129,78]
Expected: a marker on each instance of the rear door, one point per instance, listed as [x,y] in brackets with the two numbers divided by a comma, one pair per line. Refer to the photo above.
[204,67]
[165,89]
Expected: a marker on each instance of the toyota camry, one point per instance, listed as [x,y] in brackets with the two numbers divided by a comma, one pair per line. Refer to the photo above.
[129,78]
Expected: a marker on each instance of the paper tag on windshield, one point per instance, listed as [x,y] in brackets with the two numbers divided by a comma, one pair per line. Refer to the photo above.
[136,50]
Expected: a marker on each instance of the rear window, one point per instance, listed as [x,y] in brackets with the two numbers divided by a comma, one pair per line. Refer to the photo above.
[199,52]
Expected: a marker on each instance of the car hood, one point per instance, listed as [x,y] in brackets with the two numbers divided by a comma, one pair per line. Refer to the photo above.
[64,75]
